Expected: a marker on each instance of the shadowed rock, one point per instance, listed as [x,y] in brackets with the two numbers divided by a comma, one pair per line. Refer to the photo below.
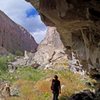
[78,24]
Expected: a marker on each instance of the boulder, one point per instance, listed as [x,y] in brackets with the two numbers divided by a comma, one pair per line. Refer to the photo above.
[4,89]
[14,91]
[50,52]
[84,95]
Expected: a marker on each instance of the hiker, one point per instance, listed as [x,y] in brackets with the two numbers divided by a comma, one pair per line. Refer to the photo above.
[55,87]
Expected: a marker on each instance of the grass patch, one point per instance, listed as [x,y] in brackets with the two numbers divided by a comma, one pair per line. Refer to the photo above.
[34,84]
[30,74]
[4,62]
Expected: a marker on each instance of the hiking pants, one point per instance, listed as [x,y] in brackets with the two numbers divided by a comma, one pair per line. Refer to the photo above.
[55,96]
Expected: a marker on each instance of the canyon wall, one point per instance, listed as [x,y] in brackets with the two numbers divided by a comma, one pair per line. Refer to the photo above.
[78,23]
[13,37]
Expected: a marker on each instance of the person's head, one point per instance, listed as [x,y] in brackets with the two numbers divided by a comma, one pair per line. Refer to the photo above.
[55,77]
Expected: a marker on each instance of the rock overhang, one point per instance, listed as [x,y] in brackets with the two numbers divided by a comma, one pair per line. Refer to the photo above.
[78,23]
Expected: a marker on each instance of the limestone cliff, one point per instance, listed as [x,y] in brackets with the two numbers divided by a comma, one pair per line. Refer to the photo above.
[78,23]
[13,37]
[51,51]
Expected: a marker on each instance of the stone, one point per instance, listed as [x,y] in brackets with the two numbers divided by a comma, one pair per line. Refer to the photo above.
[25,55]
[35,65]
[14,91]
[84,95]
[23,61]
[50,52]
[75,65]
[5,89]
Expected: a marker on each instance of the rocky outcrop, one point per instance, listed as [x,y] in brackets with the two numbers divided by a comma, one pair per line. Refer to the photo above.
[15,38]
[51,54]
[51,50]
[23,61]
[78,23]
[86,95]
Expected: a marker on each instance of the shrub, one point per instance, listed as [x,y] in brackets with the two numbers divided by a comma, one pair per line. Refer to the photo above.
[3,63]
[19,53]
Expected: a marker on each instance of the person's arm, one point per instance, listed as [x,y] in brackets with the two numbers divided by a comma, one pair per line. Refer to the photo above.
[52,85]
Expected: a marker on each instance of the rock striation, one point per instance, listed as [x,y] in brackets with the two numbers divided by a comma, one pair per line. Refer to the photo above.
[13,37]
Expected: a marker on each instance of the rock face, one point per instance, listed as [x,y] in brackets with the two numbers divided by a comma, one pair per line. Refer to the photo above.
[78,23]
[13,37]
[3,51]
[26,60]
[50,52]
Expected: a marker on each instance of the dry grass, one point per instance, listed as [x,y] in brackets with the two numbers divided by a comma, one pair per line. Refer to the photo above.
[31,89]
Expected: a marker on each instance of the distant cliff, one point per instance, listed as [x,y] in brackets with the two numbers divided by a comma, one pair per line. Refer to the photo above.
[13,37]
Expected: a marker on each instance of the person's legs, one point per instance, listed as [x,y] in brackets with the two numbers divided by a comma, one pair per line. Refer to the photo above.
[55,96]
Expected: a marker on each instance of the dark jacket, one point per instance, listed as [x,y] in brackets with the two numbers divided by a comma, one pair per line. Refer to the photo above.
[55,86]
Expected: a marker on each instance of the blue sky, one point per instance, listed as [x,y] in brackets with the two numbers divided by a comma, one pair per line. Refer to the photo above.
[24,14]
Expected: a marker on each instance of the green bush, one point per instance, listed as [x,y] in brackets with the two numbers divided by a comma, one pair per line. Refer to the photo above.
[10,58]
[3,63]
[29,73]
[19,53]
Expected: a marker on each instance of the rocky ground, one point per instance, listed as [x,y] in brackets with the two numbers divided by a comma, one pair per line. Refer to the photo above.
[32,84]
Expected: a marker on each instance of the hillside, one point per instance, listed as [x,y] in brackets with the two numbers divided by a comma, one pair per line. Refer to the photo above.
[13,37]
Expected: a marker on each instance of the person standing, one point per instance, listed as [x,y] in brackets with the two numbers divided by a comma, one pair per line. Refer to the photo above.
[55,87]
